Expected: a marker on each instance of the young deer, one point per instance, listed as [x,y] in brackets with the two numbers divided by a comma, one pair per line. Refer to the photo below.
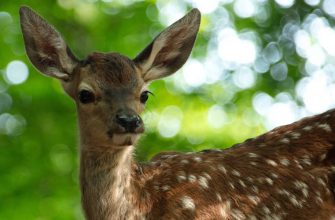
[287,173]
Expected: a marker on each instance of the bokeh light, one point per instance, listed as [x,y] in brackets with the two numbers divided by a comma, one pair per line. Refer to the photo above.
[285,3]
[16,72]
[170,121]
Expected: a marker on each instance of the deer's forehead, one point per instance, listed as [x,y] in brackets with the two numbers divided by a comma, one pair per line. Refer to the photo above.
[112,70]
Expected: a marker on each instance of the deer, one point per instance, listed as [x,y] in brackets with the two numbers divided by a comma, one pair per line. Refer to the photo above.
[286,173]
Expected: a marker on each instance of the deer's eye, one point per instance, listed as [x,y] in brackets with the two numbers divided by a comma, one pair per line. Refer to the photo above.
[86,96]
[144,96]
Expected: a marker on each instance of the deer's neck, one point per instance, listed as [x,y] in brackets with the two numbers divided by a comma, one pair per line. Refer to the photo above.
[106,182]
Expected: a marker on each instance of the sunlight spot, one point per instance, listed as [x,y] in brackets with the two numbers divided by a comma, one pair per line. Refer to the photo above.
[244,78]
[194,73]
[206,7]
[5,18]
[326,38]
[12,125]
[285,3]
[216,116]
[169,12]
[329,7]
[279,71]
[261,65]
[272,52]
[262,103]
[233,50]
[312,2]
[281,113]
[16,72]
[316,92]
[244,8]
[302,41]
[169,122]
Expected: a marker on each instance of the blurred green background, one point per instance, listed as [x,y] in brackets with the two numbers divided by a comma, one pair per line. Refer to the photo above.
[256,64]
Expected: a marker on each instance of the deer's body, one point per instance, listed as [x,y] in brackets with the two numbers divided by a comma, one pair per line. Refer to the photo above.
[287,173]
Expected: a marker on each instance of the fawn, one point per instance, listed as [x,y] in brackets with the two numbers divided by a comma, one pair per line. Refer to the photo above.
[287,173]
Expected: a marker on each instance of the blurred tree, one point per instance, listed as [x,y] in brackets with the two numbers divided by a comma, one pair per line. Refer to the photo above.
[257,64]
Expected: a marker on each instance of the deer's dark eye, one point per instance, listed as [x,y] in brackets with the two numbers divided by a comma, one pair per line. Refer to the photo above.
[144,96]
[86,96]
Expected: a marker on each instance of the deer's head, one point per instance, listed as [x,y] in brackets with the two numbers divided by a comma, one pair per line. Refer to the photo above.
[110,90]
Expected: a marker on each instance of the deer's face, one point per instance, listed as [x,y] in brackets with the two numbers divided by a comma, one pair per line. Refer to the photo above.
[110,95]
[109,89]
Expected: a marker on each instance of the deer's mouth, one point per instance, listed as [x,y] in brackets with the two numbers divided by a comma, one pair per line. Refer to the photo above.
[124,139]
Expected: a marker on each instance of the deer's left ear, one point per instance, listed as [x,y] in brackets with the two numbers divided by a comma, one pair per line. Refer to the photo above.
[170,49]
[45,47]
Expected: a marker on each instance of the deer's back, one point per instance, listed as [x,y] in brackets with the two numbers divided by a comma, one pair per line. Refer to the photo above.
[287,173]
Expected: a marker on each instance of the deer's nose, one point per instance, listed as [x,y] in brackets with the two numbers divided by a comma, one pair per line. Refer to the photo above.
[129,121]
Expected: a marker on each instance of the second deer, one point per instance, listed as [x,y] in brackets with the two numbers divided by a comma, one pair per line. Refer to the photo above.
[287,173]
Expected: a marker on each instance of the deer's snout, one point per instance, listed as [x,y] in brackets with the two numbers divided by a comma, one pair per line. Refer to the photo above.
[131,123]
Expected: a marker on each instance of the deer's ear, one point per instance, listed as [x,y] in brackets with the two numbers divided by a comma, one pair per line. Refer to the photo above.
[45,47]
[170,49]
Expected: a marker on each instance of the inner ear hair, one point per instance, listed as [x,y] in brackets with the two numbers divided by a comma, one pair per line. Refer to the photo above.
[170,49]
[45,47]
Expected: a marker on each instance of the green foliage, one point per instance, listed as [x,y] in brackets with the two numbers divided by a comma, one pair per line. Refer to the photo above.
[38,151]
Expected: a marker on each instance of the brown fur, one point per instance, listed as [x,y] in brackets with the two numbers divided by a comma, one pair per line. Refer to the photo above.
[287,173]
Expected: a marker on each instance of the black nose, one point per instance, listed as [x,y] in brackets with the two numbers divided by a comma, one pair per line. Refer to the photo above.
[129,121]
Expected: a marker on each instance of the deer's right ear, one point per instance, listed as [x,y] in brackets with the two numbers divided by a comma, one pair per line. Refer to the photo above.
[170,49]
[45,47]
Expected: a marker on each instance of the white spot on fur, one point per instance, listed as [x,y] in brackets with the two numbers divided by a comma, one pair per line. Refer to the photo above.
[274,175]
[271,162]
[276,205]
[225,210]
[295,202]
[181,176]
[252,155]
[303,187]
[255,189]
[251,180]
[218,196]
[197,159]
[298,164]
[184,161]
[322,157]
[284,140]
[284,192]
[266,210]
[203,182]
[207,175]
[306,160]
[319,200]
[284,162]
[222,168]
[253,163]
[254,199]
[235,173]
[231,185]
[295,135]
[307,128]
[187,203]
[166,188]
[192,178]
[321,181]
[325,127]
[242,183]
[269,180]
[237,214]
